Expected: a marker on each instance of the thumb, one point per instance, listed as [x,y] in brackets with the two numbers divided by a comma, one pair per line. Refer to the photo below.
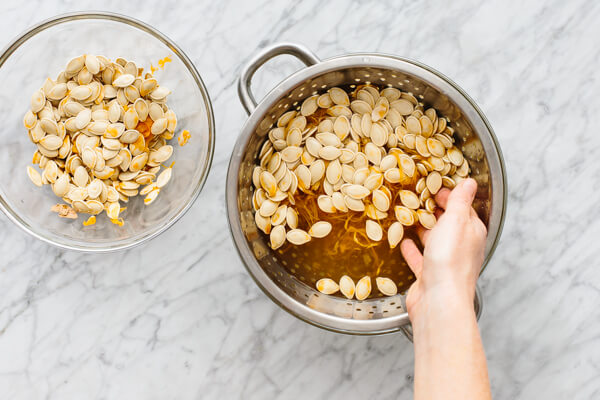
[461,197]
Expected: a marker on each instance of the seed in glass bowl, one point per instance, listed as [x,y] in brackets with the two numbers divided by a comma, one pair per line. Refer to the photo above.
[101,130]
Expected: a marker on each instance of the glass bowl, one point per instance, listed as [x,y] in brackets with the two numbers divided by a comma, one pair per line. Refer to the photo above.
[43,51]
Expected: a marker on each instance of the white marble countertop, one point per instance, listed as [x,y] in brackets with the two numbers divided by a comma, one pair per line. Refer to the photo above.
[189,323]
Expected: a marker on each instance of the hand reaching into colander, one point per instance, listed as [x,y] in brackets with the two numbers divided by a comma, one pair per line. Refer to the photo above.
[449,357]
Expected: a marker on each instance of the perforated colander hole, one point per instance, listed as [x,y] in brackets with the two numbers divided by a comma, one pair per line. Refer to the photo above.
[394,76]
[371,312]
[385,311]
[368,82]
[357,79]
[407,81]
[392,303]
[382,79]
[367,75]
[352,86]
[358,309]
[398,307]
[323,86]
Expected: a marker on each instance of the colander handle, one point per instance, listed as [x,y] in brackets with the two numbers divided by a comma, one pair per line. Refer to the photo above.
[244,91]
[407,328]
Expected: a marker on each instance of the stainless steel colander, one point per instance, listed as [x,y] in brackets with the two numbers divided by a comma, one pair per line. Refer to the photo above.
[474,134]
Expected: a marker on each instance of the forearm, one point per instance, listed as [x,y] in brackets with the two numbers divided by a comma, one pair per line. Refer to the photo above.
[449,357]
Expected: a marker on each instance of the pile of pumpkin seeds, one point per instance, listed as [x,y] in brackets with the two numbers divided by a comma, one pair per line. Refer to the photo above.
[101,131]
[361,143]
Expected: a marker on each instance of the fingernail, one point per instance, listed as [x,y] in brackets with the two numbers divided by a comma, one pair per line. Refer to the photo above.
[471,185]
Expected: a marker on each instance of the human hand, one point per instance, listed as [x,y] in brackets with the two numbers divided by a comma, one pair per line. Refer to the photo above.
[453,252]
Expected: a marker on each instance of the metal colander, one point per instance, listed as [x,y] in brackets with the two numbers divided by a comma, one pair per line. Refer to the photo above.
[475,138]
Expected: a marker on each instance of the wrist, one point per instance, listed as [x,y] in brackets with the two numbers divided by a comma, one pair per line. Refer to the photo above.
[444,301]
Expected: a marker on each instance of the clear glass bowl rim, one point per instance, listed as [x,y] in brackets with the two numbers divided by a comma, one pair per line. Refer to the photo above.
[98,15]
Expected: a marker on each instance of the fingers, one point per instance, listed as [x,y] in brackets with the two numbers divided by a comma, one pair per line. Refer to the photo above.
[441,198]
[413,256]
[461,197]
[423,234]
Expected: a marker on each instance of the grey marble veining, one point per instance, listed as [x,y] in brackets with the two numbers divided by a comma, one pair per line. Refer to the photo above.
[179,318]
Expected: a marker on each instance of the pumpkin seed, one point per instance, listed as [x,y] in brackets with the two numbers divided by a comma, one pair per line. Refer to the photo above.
[159,93]
[317,171]
[455,156]
[324,101]
[337,199]
[51,143]
[291,154]
[380,200]
[164,177]
[386,286]
[434,182]
[339,96]
[354,204]
[333,173]
[327,286]
[320,229]
[373,181]
[277,237]
[426,218]
[34,176]
[373,230]
[123,81]
[297,236]
[395,233]
[329,153]
[325,203]
[309,106]
[347,287]
[363,288]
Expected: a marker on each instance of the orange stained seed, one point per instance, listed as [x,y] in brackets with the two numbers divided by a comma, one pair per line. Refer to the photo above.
[183,137]
[112,131]
[90,221]
[139,144]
